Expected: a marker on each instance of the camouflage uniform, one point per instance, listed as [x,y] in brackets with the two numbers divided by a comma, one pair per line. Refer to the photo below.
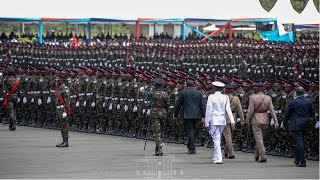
[159,109]
[62,105]
[9,84]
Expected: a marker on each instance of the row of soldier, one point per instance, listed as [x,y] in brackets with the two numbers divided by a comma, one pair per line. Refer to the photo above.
[256,59]
[115,101]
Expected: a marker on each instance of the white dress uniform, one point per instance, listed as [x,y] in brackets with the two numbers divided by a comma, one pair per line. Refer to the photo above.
[218,105]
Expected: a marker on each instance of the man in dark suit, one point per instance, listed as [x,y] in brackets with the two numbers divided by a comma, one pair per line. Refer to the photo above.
[300,110]
[191,101]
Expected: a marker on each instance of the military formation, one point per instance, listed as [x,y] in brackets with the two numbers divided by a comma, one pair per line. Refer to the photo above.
[111,89]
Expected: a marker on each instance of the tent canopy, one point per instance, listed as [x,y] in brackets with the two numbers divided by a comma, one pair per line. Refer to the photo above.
[133,9]
[165,9]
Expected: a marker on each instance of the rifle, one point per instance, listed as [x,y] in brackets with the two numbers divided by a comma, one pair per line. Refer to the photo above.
[146,138]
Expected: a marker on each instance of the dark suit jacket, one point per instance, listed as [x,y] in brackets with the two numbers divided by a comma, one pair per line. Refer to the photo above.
[300,110]
[191,101]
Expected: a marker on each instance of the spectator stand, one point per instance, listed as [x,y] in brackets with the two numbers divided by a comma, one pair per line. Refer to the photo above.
[21,20]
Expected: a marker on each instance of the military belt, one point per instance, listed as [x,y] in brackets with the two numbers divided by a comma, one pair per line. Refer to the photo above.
[260,111]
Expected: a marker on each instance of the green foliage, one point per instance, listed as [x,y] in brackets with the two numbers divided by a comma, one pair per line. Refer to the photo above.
[32,41]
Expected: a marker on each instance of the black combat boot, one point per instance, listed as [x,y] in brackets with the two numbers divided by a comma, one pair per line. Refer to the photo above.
[5,121]
[180,141]
[309,154]
[134,133]
[291,153]
[21,122]
[98,129]
[286,153]
[139,134]
[158,151]
[281,151]
[12,126]
[103,128]
[64,143]
[89,129]
[109,130]
[84,127]
[210,144]
[248,149]
[275,150]
[130,133]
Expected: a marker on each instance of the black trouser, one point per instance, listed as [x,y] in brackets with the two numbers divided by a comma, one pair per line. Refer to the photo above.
[190,124]
[299,147]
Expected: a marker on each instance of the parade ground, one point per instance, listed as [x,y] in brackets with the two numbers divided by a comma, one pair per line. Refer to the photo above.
[31,153]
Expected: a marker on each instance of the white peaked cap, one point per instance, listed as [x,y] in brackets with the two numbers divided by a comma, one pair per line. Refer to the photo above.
[218,84]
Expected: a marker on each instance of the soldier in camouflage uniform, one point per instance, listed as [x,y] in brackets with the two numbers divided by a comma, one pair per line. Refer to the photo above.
[62,108]
[172,91]
[141,105]
[313,135]
[100,103]
[159,109]
[200,129]
[249,139]
[9,102]
[288,144]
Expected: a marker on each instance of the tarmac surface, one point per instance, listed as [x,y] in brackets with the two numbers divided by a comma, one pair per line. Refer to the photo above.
[31,153]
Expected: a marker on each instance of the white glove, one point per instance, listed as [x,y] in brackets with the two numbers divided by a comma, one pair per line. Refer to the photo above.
[64,115]
[135,108]
[272,122]
[39,102]
[49,100]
